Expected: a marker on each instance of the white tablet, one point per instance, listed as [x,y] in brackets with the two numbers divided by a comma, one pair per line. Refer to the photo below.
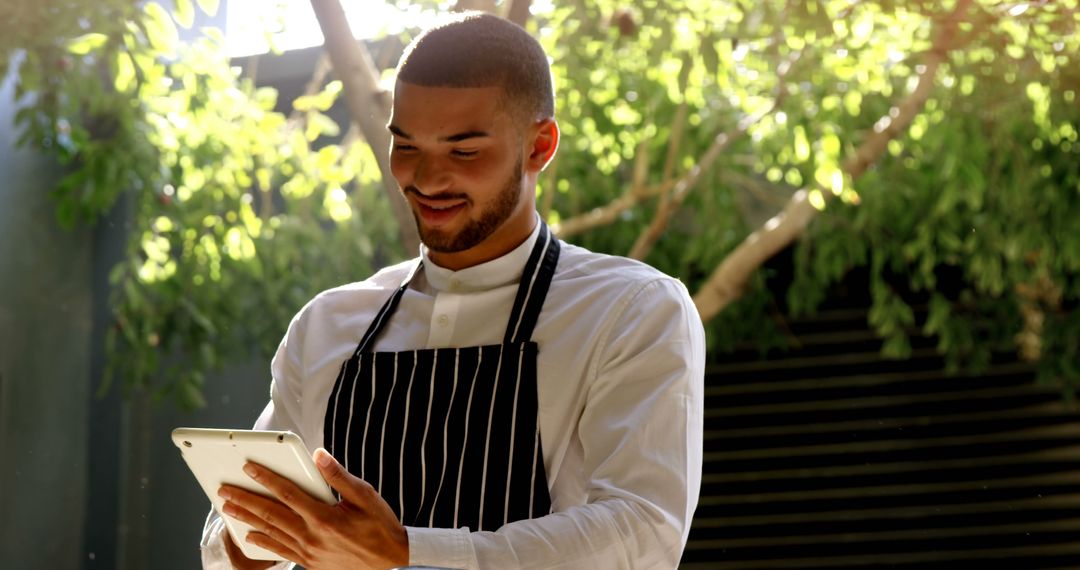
[217,456]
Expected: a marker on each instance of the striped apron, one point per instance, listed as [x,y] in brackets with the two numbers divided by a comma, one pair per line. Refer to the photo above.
[449,437]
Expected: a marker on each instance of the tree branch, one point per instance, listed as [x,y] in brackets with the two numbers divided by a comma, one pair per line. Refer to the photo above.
[669,204]
[608,214]
[765,192]
[478,5]
[728,281]
[367,104]
[519,12]
[314,85]
[675,142]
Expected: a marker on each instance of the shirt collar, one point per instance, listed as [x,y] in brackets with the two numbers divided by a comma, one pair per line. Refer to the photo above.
[485,276]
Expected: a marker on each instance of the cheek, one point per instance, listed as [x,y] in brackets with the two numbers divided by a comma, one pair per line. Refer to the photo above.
[487,170]
[400,167]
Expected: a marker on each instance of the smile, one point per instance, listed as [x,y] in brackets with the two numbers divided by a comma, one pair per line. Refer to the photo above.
[440,211]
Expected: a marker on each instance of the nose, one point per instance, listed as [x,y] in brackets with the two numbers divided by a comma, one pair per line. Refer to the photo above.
[430,177]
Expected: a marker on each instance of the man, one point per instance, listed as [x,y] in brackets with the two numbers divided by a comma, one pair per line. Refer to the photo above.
[504,401]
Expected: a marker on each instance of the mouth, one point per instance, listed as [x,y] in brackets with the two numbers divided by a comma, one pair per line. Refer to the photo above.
[437,211]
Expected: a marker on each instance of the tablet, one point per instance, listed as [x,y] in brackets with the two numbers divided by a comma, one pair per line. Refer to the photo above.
[217,456]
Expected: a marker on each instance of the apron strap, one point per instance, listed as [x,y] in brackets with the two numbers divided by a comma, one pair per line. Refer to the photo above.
[535,281]
[385,312]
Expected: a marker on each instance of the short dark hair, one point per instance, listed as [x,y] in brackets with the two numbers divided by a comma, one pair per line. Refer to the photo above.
[481,50]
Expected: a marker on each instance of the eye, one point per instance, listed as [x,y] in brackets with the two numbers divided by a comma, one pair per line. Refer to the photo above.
[464,153]
[398,147]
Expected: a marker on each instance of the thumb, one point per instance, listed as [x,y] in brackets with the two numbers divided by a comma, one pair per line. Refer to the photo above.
[351,488]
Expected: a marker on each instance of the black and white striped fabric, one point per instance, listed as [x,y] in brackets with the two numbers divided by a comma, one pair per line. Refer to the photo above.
[449,437]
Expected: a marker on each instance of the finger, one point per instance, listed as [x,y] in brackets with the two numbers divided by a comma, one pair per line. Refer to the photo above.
[262,526]
[267,511]
[286,491]
[351,488]
[269,543]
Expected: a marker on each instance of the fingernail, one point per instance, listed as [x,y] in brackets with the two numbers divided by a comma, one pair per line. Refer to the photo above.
[224,493]
[251,471]
[324,459]
[229,509]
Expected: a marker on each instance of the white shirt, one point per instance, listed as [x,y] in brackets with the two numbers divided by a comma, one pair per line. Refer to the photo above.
[620,376]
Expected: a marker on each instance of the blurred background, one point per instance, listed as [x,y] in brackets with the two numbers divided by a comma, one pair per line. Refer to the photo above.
[875,203]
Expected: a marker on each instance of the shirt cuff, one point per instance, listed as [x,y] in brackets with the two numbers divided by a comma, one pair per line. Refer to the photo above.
[212,547]
[440,547]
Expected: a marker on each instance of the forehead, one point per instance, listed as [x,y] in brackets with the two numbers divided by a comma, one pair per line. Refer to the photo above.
[433,111]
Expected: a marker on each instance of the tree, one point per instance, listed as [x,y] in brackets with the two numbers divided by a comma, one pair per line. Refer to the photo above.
[701,136]
[240,212]
[822,89]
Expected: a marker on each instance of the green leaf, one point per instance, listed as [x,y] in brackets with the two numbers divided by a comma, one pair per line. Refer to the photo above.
[321,101]
[125,72]
[319,124]
[190,393]
[160,30]
[198,317]
[207,354]
[86,43]
[896,346]
[184,13]
[66,213]
[209,6]
[117,273]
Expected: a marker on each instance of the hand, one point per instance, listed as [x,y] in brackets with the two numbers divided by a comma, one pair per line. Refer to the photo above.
[237,558]
[360,531]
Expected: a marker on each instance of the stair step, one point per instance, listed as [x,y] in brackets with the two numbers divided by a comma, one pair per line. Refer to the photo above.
[864,409]
[1051,550]
[827,455]
[1051,411]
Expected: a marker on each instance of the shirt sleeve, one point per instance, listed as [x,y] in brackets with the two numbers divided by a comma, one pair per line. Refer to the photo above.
[641,433]
[282,413]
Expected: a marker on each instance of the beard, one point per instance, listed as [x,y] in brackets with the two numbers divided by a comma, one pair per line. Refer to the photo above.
[475,230]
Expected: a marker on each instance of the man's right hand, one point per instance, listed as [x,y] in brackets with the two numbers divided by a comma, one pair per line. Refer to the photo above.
[237,558]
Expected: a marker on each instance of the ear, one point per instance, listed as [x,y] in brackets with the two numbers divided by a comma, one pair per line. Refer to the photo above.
[545,141]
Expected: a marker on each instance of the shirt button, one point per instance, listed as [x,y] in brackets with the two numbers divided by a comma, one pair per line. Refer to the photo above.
[443,320]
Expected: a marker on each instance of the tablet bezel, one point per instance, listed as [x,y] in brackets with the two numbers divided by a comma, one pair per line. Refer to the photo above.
[217,456]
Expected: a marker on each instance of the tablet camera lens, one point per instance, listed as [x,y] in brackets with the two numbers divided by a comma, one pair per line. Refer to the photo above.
[187,444]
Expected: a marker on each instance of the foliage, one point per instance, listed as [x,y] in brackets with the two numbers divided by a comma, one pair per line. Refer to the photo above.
[971,219]
[972,212]
[967,227]
[238,218]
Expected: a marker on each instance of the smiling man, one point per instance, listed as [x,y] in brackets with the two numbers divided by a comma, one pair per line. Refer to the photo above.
[449,140]
[505,400]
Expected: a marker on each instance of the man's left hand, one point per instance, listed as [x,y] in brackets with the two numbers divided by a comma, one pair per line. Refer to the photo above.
[360,531]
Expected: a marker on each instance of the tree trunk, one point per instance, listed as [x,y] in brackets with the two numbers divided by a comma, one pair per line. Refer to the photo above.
[477,5]
[368,105]
[519,12]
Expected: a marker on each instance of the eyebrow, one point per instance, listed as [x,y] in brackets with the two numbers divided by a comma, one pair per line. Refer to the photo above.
[458,137]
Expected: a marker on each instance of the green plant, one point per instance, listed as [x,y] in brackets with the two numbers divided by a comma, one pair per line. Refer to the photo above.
[238,217]
[687,125]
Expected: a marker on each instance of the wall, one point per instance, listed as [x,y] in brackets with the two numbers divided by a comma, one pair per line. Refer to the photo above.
[45,320]
[86,482]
